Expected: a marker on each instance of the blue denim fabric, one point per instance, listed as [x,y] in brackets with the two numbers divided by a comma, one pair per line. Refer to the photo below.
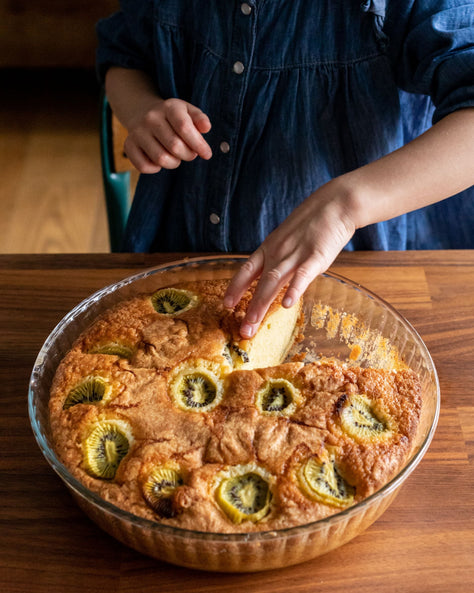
[327,87]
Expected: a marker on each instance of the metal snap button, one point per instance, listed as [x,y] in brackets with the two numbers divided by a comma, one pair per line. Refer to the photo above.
[238,67]
[225,147]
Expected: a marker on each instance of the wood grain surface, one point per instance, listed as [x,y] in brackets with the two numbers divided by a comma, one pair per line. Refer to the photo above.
[51,187]
[423,543]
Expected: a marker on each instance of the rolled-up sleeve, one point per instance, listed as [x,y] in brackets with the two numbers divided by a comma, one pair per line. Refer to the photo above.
[126,38]
[431,46]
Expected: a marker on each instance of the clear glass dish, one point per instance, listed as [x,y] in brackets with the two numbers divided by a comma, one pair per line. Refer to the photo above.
[342,319]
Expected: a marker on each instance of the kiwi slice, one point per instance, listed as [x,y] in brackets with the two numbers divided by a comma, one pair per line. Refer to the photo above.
[195,386]
[277,397]
[240,353]
[321,481]
[360,421]
[196,391]
[227,355]
[172,301]
[91,390]
[113,349]
[236,356]
[244,497]
[159,488]
[105,447]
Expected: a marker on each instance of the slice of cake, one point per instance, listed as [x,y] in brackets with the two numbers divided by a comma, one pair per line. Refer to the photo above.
[274,338]
[190,321]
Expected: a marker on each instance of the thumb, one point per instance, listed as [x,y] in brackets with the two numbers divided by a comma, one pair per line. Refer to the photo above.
[200,119]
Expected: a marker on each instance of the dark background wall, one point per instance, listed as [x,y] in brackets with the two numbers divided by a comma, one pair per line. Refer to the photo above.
[50,33]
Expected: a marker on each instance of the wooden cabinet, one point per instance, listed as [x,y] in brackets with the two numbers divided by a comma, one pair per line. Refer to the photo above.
[50,33]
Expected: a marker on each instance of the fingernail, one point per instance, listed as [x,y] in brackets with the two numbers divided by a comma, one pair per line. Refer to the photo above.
[247,330]
[228,302]
[287,302]
[252,317]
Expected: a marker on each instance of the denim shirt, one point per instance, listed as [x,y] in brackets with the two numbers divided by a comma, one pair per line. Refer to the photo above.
[298,92]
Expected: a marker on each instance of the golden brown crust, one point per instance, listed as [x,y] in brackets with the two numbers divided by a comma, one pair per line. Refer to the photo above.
[239,432]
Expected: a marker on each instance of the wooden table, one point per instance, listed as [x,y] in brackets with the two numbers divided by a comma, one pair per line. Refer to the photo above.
[423,543]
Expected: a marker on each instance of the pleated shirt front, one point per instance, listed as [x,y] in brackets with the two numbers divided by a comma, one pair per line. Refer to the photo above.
[298,92]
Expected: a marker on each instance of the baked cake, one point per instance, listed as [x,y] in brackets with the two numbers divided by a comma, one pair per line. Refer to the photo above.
[163,410]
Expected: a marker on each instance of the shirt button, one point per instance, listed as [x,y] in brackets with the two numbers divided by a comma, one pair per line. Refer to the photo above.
[245,8]
[225,147]
[214,218]
[238,67]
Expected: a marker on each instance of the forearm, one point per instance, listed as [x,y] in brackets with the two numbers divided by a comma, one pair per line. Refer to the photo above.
[434,166]
[130,92]
[438,164]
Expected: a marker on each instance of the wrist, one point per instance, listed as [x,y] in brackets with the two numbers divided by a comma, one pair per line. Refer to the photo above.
[368,195]
[349,197]
[131,94]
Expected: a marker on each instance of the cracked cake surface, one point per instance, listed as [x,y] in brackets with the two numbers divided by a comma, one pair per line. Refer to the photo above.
[161,409]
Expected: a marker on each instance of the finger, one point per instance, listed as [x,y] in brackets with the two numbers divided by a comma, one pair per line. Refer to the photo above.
[248,272]
[302,278]
[158,154]
[139,159]
[202,124]
[183,125]
[200,119]
[172,143]
[269,285]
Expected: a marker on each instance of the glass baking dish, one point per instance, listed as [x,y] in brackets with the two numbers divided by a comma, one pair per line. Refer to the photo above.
[343,320]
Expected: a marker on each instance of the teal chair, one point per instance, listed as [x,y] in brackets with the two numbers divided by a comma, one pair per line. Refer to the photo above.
[115,176]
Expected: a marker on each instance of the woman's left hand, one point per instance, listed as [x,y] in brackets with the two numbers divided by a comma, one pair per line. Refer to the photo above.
[302,247]
[430,168]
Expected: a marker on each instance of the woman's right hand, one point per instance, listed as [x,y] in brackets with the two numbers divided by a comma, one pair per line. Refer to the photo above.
[165,133]
[161,133]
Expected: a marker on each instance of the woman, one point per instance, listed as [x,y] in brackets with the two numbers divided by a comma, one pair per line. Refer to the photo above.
[294,130]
